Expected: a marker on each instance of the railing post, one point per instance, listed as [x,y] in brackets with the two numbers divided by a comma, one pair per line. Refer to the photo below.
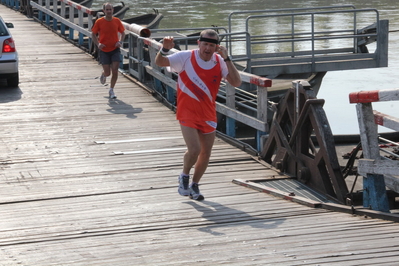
[140,58]
[40,13]
[230,102]
[374,194]
[130,52]
[55,6]
[80,36]
[374,191]
[63,8]
[262,104]
[55,27]
[47,15]
[261,114]
[71,19]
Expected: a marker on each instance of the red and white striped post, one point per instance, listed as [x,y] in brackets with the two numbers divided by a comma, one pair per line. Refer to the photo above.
[373,167]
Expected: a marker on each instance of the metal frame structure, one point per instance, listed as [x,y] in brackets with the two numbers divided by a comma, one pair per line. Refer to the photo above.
[290,148]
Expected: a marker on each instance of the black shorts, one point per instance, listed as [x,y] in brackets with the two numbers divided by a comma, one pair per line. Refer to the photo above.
[106,58]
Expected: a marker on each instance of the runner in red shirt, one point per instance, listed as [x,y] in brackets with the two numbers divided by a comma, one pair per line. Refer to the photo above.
[108,34]
[200,72]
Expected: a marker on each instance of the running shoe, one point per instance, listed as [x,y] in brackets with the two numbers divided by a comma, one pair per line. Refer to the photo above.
[112,94]
[184,181]
[195,194]
[103,79]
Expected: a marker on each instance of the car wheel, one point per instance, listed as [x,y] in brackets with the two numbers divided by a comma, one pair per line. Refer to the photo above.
[14,81]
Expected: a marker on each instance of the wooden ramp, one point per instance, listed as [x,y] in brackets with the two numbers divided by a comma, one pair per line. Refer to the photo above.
[85,180]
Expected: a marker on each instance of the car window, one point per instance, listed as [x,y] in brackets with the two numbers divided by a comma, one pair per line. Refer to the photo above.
[3,30]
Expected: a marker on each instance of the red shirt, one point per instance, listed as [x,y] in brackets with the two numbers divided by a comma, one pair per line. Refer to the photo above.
[197,90]
[108,32]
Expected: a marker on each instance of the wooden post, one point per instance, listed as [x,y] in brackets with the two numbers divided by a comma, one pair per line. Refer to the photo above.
[262,114]
[71,19]
[47,15]
[230,102]
[80,23]
[63,8]
[374,192]
[40,13]
[382,43]
[140,58]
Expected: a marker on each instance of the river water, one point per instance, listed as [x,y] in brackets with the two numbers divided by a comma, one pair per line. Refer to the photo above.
[336,85]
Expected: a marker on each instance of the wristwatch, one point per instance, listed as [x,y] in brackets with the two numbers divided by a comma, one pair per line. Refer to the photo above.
[227,59]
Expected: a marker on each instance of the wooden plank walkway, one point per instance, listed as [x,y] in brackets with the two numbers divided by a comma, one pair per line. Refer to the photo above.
[85,180]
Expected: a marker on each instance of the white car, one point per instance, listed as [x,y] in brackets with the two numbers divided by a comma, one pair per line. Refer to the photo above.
[8,55]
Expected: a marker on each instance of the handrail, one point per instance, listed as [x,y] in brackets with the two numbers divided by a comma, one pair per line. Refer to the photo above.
[268,11]
[82,23]
[377,170]
[186,39]
[283,10]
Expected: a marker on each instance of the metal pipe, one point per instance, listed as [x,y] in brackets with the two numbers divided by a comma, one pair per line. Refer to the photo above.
[390,153]
[139,30]
[388,141]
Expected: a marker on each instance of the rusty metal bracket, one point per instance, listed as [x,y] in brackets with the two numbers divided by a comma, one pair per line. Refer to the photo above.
[301,143]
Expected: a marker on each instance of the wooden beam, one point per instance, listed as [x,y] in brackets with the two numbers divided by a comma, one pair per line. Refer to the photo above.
[381,167]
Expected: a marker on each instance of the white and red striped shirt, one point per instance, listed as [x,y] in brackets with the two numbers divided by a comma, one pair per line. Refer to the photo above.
[198,84]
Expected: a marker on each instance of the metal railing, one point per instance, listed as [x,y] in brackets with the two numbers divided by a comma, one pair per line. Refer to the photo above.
[55,17]
[301,42]
[11,3]
[73,20]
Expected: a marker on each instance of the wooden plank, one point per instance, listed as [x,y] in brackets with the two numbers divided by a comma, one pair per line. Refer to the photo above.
[381,167]
[387,121]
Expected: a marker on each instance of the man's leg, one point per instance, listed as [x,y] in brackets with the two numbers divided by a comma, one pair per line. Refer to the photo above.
[207,141]
[191,137]
[105,74]
[199,148]
[105,63]
[106,70]
[114,70]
